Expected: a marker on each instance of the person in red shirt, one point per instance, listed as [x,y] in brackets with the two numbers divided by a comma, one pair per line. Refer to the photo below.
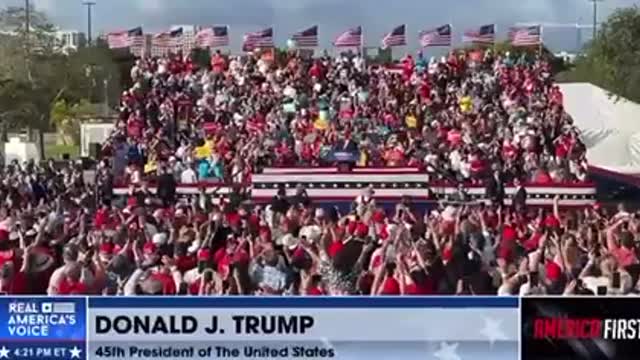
[218,63]
[624,249]
[12,281]
[407,67]
[72,283]
[165,278]
[390,285]
[315,287]
[316,71]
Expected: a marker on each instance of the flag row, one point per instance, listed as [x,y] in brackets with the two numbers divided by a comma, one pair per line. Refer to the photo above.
[218,36]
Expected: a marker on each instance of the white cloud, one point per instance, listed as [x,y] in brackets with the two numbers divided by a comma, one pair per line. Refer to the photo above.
[296,4]
[47,6]
[150,5]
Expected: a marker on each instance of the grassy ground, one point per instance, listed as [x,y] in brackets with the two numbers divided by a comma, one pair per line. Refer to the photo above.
[57,151]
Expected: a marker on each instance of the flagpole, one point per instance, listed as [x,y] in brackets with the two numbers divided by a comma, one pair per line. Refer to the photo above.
[364,58]
[228,42]
[495,37]
[451,37]
[541,41]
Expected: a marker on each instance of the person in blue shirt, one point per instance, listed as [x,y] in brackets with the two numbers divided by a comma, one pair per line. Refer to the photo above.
[421,63]
[204,169]
[217,168]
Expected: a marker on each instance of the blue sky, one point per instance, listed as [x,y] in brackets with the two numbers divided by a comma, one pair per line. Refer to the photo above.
[333,16]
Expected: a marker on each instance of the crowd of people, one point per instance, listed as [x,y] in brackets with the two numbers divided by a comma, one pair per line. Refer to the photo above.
[457,117]
[494,118]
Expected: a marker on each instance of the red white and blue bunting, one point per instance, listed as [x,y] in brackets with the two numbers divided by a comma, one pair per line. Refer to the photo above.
[389,184]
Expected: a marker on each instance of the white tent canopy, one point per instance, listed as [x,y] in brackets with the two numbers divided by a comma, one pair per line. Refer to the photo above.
[610,128]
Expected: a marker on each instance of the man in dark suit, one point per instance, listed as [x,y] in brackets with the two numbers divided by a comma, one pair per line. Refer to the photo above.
[519,200]
[494,188]
[280,202]
[346,145]
[166,186]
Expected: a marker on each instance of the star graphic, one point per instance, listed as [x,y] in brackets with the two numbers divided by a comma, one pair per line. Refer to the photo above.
[4,352]
[447,352]
[75,352]
[492,331]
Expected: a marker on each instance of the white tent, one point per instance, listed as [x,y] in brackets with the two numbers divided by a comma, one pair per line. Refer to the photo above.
[610,127]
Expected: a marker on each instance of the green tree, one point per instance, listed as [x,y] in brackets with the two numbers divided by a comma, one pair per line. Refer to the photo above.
[94,76]
[16,107]
[201,57]
[67,118]
[611,60]
[35,75]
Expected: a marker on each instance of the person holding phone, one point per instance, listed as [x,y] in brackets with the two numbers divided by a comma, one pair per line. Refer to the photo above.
[211,283]
[604,272]
[532,285]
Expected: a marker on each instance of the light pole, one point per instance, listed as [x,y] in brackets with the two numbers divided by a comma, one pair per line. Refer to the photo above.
[27,17]
[595,17]
[105,83]
[89,5]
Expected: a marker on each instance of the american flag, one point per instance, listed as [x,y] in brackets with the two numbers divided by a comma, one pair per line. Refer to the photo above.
[258,39]
[440,36]
[486,34]
[525,36]
[169,40]
[211,37]
[124,39]
[397,37]
[349,38]
[307,37]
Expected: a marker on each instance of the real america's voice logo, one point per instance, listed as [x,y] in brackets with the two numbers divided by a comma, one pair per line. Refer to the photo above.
[42,329]
[32,319]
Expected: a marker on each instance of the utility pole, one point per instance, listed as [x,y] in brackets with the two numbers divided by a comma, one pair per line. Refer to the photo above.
[595,17]
[89,5]
[27,23]
[105,83]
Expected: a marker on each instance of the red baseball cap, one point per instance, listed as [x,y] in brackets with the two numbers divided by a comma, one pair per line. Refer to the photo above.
[204,254]
[391,287]
[378,217]
[106,248]
[553,270]
[149,248]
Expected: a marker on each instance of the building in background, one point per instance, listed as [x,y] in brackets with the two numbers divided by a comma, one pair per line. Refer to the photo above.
[567,57]
[142,51]
[188,36]
[70,40]
[187,41]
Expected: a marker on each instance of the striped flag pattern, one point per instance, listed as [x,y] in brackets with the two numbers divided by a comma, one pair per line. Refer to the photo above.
[258,39]
[349,38]
[486,34]
[440,36]
[397,37]
[307,37]
[168,41]
[211,37]
[125,39]
[525,36]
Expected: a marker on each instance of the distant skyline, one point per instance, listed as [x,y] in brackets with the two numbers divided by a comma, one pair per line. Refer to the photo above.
[332,16]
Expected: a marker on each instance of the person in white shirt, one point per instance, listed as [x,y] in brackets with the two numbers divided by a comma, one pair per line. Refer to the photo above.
[604,279]
[358,63]
[532,287]
[189,175]
[365,201]
[455,160]
[289,92]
